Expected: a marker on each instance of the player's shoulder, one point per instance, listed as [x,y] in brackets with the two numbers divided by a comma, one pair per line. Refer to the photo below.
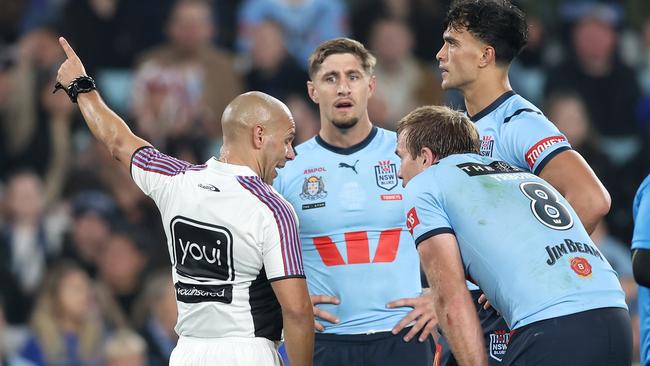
[519,108]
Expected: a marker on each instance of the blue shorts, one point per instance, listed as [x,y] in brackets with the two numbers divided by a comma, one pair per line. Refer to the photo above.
[377,349]
[599,337]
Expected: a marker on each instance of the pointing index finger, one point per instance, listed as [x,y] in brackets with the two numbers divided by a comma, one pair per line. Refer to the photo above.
[69,52]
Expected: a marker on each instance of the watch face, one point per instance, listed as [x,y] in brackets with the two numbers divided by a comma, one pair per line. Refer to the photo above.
[85,84]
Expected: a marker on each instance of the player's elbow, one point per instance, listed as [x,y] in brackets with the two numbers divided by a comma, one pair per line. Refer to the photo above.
[602,202]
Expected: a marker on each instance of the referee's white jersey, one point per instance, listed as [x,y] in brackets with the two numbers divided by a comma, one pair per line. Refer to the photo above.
[229,235]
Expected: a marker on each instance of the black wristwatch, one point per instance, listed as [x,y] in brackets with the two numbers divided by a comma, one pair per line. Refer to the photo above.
[82,84]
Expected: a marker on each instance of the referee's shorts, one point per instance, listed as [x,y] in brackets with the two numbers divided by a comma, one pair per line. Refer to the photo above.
[231,351]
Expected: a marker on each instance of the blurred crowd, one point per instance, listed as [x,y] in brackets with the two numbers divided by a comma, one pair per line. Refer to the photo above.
[83,256]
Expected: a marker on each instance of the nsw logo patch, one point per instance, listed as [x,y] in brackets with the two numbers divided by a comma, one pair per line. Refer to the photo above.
[386,175]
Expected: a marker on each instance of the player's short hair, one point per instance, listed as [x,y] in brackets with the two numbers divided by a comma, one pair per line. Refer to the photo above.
[498,23]
[441,129]
[341,46]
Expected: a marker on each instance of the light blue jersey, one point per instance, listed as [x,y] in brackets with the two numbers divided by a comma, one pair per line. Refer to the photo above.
[520,240]
[641,240]
[513,130]
[354,241]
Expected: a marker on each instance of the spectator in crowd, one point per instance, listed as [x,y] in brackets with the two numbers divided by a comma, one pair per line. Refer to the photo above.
[423,17]
[155,317]
[306,118]
[182,87]
[273,70]
[28,240]
[94,216]
[66,330]
[608,87]
[305,23]
[122,28]
[35,124]
[7,357]
[125,348]
[121,267]
[404,82]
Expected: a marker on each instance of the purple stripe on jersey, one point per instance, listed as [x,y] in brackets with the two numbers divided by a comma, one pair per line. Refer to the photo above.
[295,255]
[152,160]
[246,184]
[285,220]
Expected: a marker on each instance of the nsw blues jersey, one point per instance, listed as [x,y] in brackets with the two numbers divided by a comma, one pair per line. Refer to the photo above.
[354,241]
[513,130]
[520,240]
[641,240]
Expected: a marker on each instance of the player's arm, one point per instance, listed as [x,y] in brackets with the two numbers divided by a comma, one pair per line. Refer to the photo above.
[641,266]
[298,319]
[104,124]
[570,174]
[441,260]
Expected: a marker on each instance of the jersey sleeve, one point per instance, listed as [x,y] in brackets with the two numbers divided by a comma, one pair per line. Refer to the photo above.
[281,244]
[641,236]
[531,140]
[153,171]
[425,215]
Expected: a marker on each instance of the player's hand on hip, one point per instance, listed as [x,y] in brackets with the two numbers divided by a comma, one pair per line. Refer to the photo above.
[423,313]
[72,68]
[484,301]
[322,314]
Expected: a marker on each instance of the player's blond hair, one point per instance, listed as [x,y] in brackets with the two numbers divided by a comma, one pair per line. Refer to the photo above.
[341,46]
[441,129]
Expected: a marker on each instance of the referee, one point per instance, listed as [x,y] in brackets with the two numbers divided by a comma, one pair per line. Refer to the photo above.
[232,239]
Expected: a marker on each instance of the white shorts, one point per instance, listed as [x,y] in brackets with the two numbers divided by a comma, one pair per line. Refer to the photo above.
[230,351]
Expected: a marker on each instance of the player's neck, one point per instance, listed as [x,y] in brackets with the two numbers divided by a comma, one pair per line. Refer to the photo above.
[482,93]
[344,138]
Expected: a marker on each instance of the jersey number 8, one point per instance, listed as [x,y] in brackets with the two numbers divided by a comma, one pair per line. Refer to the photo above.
[546,206]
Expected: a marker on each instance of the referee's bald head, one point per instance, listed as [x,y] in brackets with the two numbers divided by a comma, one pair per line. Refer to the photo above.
[248,110]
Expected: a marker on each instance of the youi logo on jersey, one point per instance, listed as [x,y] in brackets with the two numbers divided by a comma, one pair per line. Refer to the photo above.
[202,252]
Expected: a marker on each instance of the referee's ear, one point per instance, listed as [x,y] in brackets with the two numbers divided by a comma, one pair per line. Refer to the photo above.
[258,136]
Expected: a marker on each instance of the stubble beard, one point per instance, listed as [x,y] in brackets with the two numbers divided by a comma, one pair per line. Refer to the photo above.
[345,124]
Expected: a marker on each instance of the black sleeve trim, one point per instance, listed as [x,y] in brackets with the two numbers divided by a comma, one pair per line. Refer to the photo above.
[548,158]
[132,155]
[641,266]
[285,278]
[434,232]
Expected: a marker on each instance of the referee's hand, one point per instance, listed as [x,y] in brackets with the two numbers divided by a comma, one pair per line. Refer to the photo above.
[72,67]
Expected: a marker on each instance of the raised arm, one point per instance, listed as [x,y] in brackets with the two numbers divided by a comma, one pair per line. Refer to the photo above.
[297,318]
[570,174]
[104,124]
[440,257]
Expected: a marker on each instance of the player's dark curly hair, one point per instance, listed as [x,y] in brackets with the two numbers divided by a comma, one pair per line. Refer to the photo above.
[498,23]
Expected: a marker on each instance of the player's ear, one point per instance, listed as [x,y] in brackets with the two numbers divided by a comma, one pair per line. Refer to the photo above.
[313,94]
[372,85]
[258,136]
[427,157]
[488,57]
